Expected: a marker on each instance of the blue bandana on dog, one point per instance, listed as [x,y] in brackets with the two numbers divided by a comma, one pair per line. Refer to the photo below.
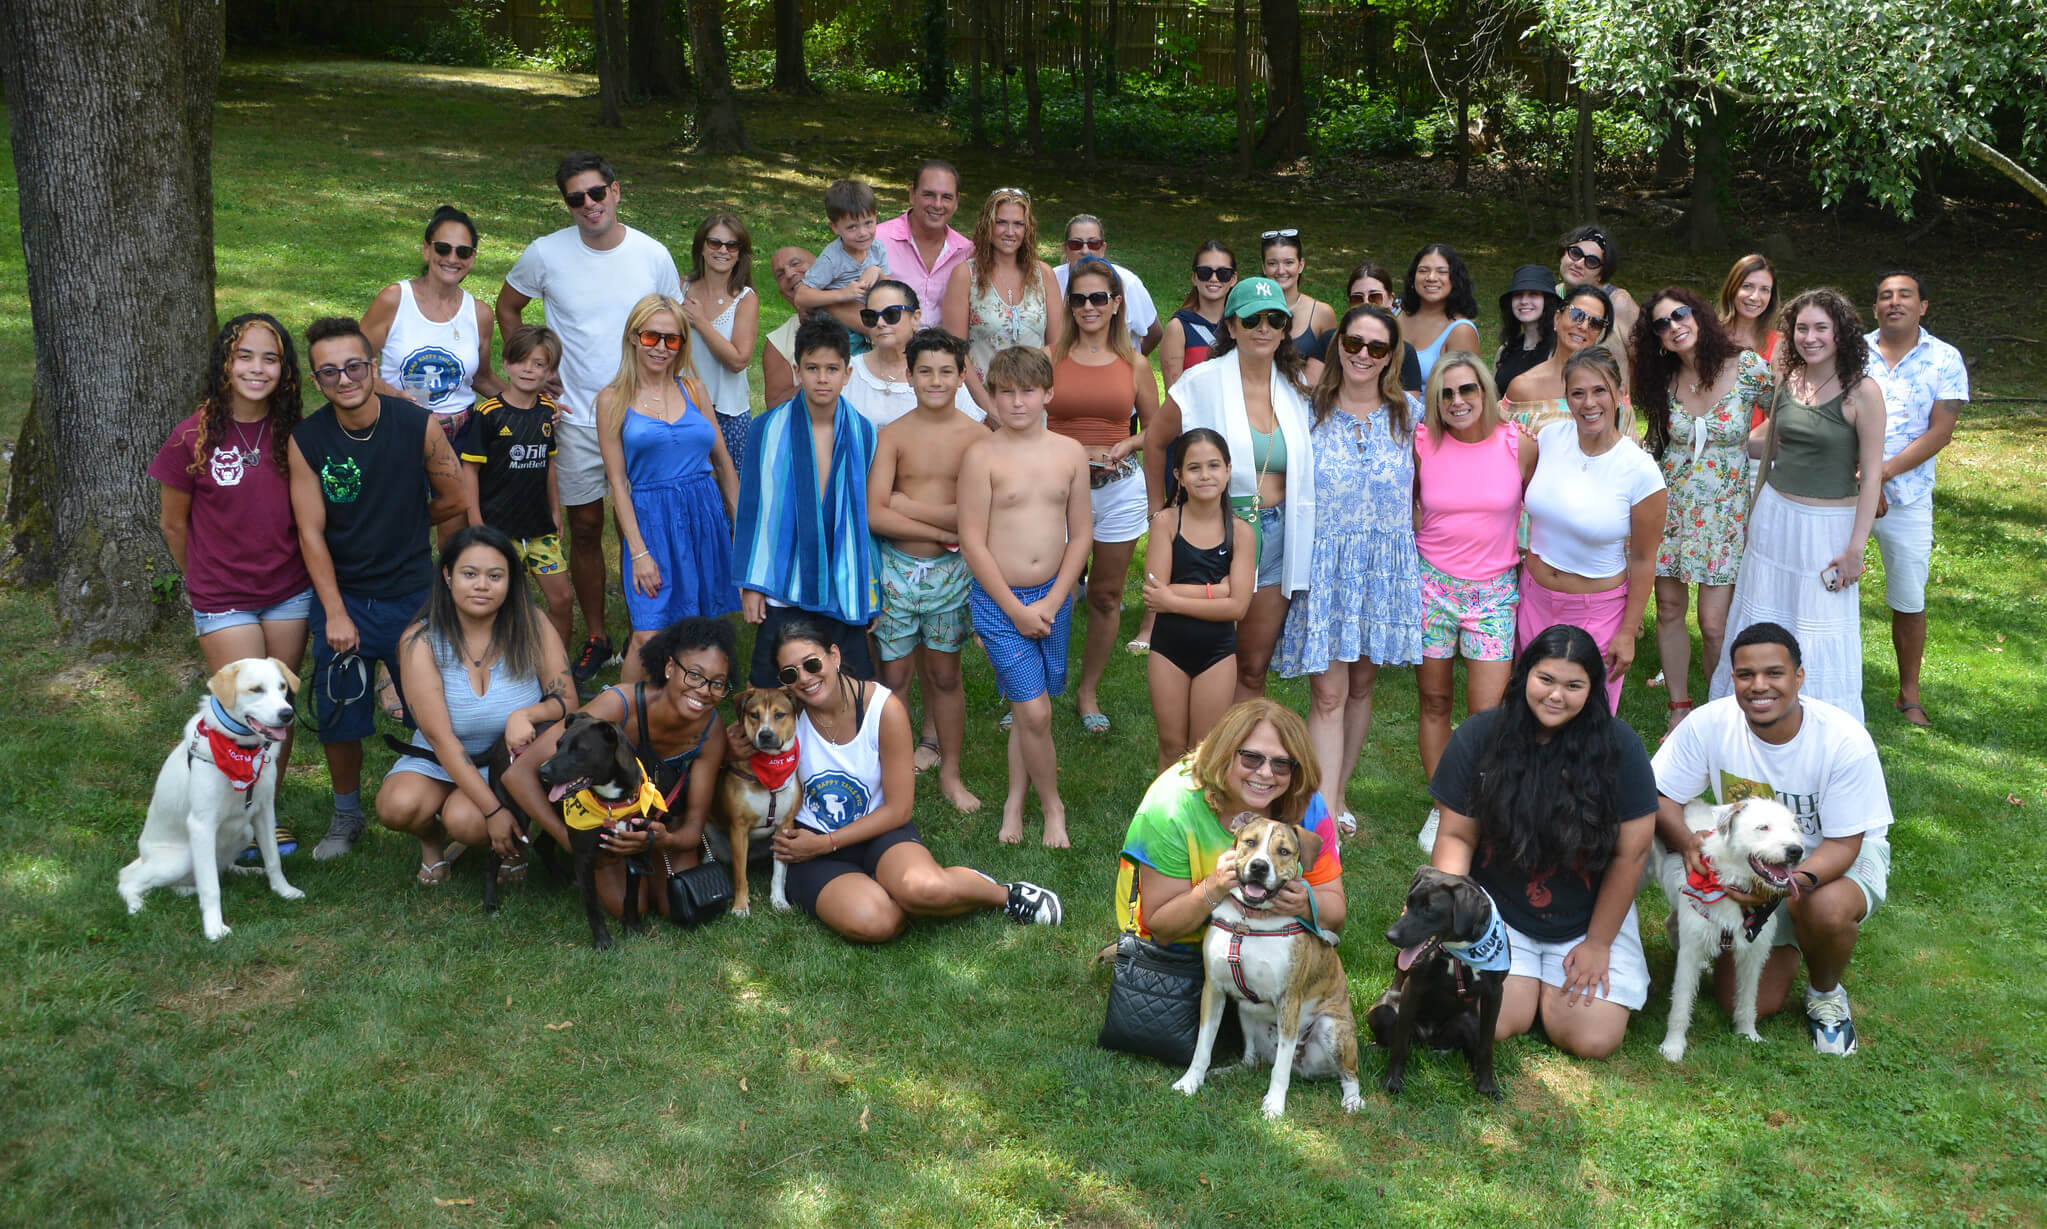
[1488,953]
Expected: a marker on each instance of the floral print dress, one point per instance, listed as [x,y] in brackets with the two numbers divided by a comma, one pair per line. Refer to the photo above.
[1707,469]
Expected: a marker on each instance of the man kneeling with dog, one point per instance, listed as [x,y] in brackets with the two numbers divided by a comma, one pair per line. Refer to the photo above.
[1767,741]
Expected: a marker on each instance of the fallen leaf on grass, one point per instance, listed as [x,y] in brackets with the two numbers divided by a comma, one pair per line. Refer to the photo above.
[2015,800]
[1201,1178]
[508,1000]
[556,1028]
[742,1083]
[863,1118]
[453,1203]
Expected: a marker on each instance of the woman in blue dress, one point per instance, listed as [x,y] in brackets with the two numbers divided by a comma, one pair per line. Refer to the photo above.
[672,482]
[1363,608]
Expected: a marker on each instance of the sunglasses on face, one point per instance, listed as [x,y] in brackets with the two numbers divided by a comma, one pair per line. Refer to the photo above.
[1214,273]
[1591,260]
[1092,298]
[1352,343]
[1662,323]
[722,245]
[356,370]
[1377,298]
[1579,315]
[1271,318]
[462,251]
[887,315]
[812,664]
[696,680]
[596,195]
[1281,765]
[1291,232]
[1091,245]
[1462,392]
[655,341]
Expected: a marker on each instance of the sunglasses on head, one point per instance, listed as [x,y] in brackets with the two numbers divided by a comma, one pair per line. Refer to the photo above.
[356,369]
[812,664]
[1352,343]
[1662,323]
[1591,260]
[1581,316]
[1291,232]
[462,251]
[697,680]
[894,312]
[1214,273]
[1463,392]
[1011,192]
[596,195]
[1091,245]
[1271,318]
[1282,766]
[1377,298]
[1089,298]
[656,340]
[722,245]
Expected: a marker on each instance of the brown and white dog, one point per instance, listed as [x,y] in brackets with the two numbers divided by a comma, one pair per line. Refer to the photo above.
[758,795]
[1289,986]
[217,792]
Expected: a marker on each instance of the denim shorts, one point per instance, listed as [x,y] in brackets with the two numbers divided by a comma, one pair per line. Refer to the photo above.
[298,606]
[1271,546]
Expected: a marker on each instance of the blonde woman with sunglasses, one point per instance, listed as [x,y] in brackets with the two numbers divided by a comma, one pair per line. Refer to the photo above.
[672,482]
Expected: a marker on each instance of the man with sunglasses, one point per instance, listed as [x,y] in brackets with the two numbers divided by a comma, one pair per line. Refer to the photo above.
[588,275]
[922,247]
[1086,237]
[1588,257]
[361,469]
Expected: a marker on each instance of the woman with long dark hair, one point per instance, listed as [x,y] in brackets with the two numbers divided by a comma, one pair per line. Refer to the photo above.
[1438,308]
[1549,803]
[1583,321]
[431,337]
[1748,304]
[1528,327]
[1698,390]
[1194,328]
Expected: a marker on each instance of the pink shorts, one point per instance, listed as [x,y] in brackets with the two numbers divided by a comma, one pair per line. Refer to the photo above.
[1473,619]
[1598,613]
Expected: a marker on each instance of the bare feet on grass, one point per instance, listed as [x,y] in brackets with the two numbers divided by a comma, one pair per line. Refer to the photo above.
[1011,831]
[956,792]
[1055,827]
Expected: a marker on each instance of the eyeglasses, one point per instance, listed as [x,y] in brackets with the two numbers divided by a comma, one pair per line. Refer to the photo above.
[1092,298]
[1214,273]
[721,245]
[1662,323]
[355,370]
[1591,260]
[654,340]
[1352,343]
[697,680]
[1291,232]
[596,195]
[1282,766]
[462,251]
[1463,392]
[812,664]
[887,315]
[1377,298]
[1271,318]
[1579,315]
[1092,245]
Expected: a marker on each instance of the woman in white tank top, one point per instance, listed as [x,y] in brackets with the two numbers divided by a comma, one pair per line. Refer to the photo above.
[724,322]
[855,861]
[431,336]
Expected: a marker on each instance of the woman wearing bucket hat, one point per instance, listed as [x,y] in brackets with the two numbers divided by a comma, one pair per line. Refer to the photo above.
[1528,329]
[1252,392]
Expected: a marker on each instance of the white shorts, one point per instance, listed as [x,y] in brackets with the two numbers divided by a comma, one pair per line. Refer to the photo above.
[1120,512]
[578,467]
[1627,970]
[1905,536]
[1871,871]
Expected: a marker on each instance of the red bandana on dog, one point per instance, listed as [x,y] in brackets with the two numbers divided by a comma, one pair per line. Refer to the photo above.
[1704,888]
[773,770]
[240,765]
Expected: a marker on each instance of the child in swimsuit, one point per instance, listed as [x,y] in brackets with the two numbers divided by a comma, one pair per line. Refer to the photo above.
[1192,671]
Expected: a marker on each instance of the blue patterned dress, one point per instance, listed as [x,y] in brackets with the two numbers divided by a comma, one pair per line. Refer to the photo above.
[1364,596]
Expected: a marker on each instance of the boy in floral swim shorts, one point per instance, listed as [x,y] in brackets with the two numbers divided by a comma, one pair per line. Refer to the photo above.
[912,507]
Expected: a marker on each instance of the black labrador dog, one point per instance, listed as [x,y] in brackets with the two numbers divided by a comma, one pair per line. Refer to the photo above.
[596,784]
[1440,995]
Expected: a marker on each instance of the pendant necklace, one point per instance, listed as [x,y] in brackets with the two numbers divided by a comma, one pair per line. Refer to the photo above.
[251,454]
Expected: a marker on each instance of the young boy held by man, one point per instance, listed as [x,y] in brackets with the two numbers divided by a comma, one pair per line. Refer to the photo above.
[1025,524]
[507,452]
[850,264]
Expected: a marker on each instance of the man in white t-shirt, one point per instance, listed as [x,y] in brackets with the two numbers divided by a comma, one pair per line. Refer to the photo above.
[1085,237]
[1816,759]
[588,276]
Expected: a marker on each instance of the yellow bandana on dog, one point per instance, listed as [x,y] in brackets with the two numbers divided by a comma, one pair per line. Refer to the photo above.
[585,810]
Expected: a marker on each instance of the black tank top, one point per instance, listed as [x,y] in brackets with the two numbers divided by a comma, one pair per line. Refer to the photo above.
[1194,565]
[376,495]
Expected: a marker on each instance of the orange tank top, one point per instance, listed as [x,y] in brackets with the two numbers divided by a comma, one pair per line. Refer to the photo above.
[1091,404]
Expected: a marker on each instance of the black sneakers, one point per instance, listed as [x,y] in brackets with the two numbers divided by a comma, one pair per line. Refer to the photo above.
[595,656]
[1030,904]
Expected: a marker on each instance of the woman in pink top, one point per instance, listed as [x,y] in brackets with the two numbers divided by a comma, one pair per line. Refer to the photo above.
[1471,466]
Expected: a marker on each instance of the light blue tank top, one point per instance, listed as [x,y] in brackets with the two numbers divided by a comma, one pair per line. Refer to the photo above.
[478,719]
[1268,450]
[1427,355]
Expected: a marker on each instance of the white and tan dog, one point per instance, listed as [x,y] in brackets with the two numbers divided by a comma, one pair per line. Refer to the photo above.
[1754,847]
[217,791]
[1292,996]
[758,796]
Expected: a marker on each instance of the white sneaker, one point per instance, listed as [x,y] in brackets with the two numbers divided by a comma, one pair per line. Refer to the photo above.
[1426,838]
[1829,1022]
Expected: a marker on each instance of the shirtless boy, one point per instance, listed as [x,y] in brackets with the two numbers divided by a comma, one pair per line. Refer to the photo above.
[1025,523]
[912,506]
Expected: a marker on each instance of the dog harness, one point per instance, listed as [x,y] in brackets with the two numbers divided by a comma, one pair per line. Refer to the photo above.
[1237,936]
[1703,890]
[242,766]
[1488,953]
[584,810]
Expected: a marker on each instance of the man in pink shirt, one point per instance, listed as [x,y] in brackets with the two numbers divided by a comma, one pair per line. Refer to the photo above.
[923,248]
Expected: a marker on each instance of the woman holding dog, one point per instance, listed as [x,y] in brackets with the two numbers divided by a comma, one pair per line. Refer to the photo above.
[856,861]
[1177,862]
[1548,802]
[671,719]
[480,665]
[226,506]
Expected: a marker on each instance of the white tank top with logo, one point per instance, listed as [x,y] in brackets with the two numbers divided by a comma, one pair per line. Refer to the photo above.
[840,783]
[436,358]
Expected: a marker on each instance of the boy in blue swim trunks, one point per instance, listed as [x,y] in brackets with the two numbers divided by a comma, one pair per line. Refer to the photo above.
[1026,521]
[913,508]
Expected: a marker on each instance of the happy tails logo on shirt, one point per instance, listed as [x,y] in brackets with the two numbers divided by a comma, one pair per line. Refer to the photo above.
[836,799]
[433,370]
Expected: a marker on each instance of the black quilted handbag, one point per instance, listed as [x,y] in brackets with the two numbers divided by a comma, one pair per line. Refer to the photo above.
[699,894]
[1154,1001]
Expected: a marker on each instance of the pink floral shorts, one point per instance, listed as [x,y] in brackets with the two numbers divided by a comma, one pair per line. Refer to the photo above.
[1469,618]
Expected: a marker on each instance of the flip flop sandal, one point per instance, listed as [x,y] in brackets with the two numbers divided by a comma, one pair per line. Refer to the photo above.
[1095,723]
[1347,825]
[1925,721]
[937,756]
[1008,720]
[394,708]
[432,874]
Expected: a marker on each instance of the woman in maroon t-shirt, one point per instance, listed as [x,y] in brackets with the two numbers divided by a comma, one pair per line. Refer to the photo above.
[227,503]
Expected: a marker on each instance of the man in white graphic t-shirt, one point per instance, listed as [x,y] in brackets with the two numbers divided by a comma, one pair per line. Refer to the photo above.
[1765,740]
[588,276]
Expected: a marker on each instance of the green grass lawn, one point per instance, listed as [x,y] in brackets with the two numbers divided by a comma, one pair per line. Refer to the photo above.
[377,1053]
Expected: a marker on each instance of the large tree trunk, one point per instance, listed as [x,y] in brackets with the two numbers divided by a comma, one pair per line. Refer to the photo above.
[607,43]
[790,75]
[1286,99]
[1034,96]
[934,68]
[111,114]
[655,65]
[718,130]
[1584,160]
[1705,227]
[1087,87]
[1240,65]
[1113,84]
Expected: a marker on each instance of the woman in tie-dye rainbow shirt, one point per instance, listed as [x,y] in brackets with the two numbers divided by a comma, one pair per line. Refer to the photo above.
[1177,862]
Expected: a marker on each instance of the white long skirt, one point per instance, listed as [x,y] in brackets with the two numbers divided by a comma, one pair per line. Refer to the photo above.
[1788,544]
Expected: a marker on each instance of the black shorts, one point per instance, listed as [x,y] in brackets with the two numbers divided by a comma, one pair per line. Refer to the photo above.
[808,879]
[852,641]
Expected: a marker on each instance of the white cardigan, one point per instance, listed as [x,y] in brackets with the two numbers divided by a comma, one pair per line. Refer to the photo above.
[1211,394]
